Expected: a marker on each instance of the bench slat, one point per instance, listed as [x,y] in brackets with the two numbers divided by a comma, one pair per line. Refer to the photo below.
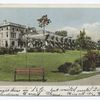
[29,71]
[22,72]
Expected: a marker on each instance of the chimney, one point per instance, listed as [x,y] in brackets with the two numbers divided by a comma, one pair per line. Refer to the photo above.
[4,21]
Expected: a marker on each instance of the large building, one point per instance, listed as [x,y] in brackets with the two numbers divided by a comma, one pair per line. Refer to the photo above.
[10,34]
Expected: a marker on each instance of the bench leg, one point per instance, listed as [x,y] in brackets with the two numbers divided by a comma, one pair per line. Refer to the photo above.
[15,76]
[43,78]
[29,76]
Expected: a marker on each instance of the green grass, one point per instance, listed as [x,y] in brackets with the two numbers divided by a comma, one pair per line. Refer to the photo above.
[62,77]
[50,61]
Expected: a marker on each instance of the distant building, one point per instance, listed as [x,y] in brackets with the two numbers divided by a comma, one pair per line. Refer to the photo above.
[11,32]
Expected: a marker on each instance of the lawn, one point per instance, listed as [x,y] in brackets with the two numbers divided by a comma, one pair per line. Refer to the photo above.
[50,61]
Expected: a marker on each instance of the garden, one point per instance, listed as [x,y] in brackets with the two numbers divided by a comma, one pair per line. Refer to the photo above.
[58,67]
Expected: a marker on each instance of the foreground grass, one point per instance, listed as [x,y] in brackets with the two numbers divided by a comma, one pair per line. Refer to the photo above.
[63,77]
[50,77]
[50,61]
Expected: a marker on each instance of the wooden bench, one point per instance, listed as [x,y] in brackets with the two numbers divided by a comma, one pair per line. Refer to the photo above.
[29,72]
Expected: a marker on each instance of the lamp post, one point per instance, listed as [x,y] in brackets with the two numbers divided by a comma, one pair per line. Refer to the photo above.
[26,45]
[44,45]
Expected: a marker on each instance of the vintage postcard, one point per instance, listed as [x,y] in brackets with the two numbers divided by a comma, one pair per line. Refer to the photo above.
[49,50]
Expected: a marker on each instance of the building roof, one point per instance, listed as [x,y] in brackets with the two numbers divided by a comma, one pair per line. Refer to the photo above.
[5,23]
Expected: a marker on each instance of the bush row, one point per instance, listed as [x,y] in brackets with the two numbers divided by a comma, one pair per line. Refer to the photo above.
[52,50]
[9,51]
[15,50]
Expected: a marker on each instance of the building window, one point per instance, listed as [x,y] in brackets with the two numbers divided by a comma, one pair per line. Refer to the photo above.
[6,44]
[13,29]
[17,29]
[6,34]
[7,28]
[13,43]
[1,35]
[13,35]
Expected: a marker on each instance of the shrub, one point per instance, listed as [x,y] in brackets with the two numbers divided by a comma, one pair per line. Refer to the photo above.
[53,50]
[75,69]
[34,50]
[30,50]
[65,67]
[57,50]
[88,65]
[98,60]
[88,62]
[9,50]
[3,50]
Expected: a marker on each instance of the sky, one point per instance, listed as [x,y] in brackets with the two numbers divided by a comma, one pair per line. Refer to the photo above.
[70,19]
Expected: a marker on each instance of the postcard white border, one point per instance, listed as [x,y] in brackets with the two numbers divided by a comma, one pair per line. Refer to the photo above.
[21,5]
[78,5]
[51,1]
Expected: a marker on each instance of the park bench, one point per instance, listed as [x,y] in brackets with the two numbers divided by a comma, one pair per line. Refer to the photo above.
[29,72]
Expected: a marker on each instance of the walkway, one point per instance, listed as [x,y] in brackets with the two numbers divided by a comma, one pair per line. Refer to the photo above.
[93,80]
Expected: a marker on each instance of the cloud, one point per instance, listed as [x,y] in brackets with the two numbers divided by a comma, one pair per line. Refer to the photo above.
[73,32]
[92,30]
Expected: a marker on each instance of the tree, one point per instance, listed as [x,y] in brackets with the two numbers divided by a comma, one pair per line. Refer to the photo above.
[85,42]
[80,41]
[98,44]
[23,39]
[43,22]
[61,33]
[20,40]
[90,44]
